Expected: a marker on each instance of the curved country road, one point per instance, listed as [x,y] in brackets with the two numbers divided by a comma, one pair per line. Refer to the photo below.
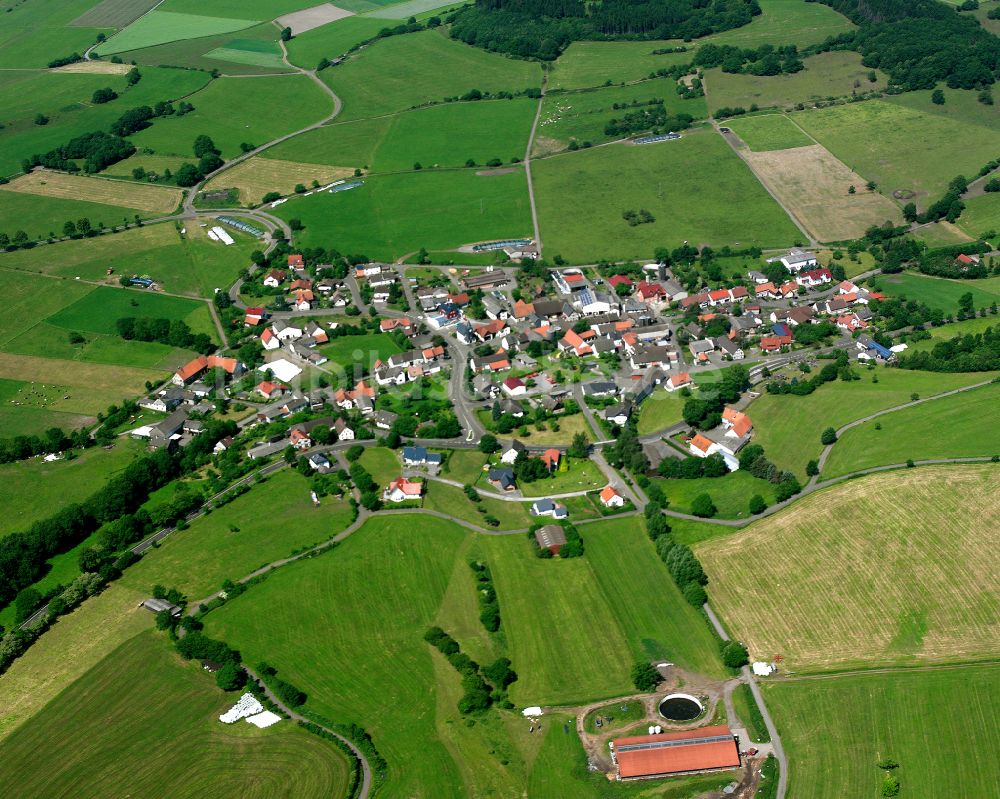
[366,770]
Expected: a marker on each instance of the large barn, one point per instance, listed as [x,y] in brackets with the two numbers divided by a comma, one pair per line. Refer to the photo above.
[671,753]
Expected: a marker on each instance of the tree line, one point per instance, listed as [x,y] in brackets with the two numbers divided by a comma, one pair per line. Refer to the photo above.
[978,352]
[172,332]
[542,29]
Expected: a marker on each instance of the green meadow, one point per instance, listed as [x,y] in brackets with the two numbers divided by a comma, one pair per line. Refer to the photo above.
[182,264]
[221,112]
[393,215]
[35,33]
[402,72]
[789,427]
[768,132]
[43,217]
[587,64]
[730,493]
[331,40]
[272,521]
[887,717]
[65,99]
[238,9]
[959,425]
[253,52]
[690,186]
[583,115]
[410,572]
[444,135]
[158,27]
[119,712]
[981,215]
[939,292]
[834,74]
[908,143]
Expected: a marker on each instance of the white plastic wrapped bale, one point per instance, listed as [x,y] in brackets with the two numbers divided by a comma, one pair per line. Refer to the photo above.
[265,719]
[246,705]
[223,236]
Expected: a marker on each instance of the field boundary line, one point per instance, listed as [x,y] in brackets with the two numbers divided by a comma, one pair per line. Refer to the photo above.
[875,670]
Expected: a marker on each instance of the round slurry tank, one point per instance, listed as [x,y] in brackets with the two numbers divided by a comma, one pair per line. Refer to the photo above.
[680,707]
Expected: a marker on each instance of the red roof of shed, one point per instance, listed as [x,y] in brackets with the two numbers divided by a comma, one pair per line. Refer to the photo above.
[677,752]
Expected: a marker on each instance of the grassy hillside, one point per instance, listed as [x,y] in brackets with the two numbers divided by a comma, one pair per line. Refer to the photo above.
[896,568]
[104,735]
[867,718]
[959,430]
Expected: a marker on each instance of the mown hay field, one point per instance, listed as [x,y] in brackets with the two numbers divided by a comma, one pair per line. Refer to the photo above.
[896,568]
[104,735]
[257,176]
[159,27]
[140,196]
[816,187]
[939,726]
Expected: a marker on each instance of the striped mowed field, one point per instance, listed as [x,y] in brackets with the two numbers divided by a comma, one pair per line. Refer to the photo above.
[140,196]
[900,567]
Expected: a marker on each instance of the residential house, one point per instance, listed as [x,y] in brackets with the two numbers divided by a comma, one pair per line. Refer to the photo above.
[296,262]
[269,339]
[319,462]
[549,507]
[384,420]
[729,348]
[287,330]
[419,456]
[796,260]
[775,343]
[274,278]
[678,381]
[401,490]
[814,277]
[510,454]
[619,414]
[499,362]
[165,401]
[343,430]
[502,477]
[514,387]
[610,498]
[194,369]
[551,458]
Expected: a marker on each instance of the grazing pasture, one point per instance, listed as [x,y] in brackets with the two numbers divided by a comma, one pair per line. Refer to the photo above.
[159,27]
[582,115]
[221,112]
[888,716]
[43,217]
[834,74]
[730,493]
[341,144]
[816,187]
[942,234]
[272,521]
[958,423]
[149,691]
[393,215]
[331,41]
[65,98]
[259,175]
[34,33]
[119,193]
[944,332]
[789,427]
[402,72]
[98,311]
[913,580]
[688,185]
[451,500]
[659,411]
[904,147]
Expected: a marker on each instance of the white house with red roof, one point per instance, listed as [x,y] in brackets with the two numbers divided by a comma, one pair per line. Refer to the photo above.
[401,490]
[610,498]
[514,387]
[814,277]
[677,381]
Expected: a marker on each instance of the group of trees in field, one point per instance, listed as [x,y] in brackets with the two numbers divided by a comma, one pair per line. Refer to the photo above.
[764,60]
[173,332]
[544,28]
[972,352]
[482,686]
[55,439]
[651,117]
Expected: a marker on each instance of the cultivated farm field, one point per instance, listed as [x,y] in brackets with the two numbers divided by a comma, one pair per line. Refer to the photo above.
[688,185]
[866,718]
[957,422]
[150,692]
[769,132]
[904,147]
[159,27]
[816,186]
[845,578]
